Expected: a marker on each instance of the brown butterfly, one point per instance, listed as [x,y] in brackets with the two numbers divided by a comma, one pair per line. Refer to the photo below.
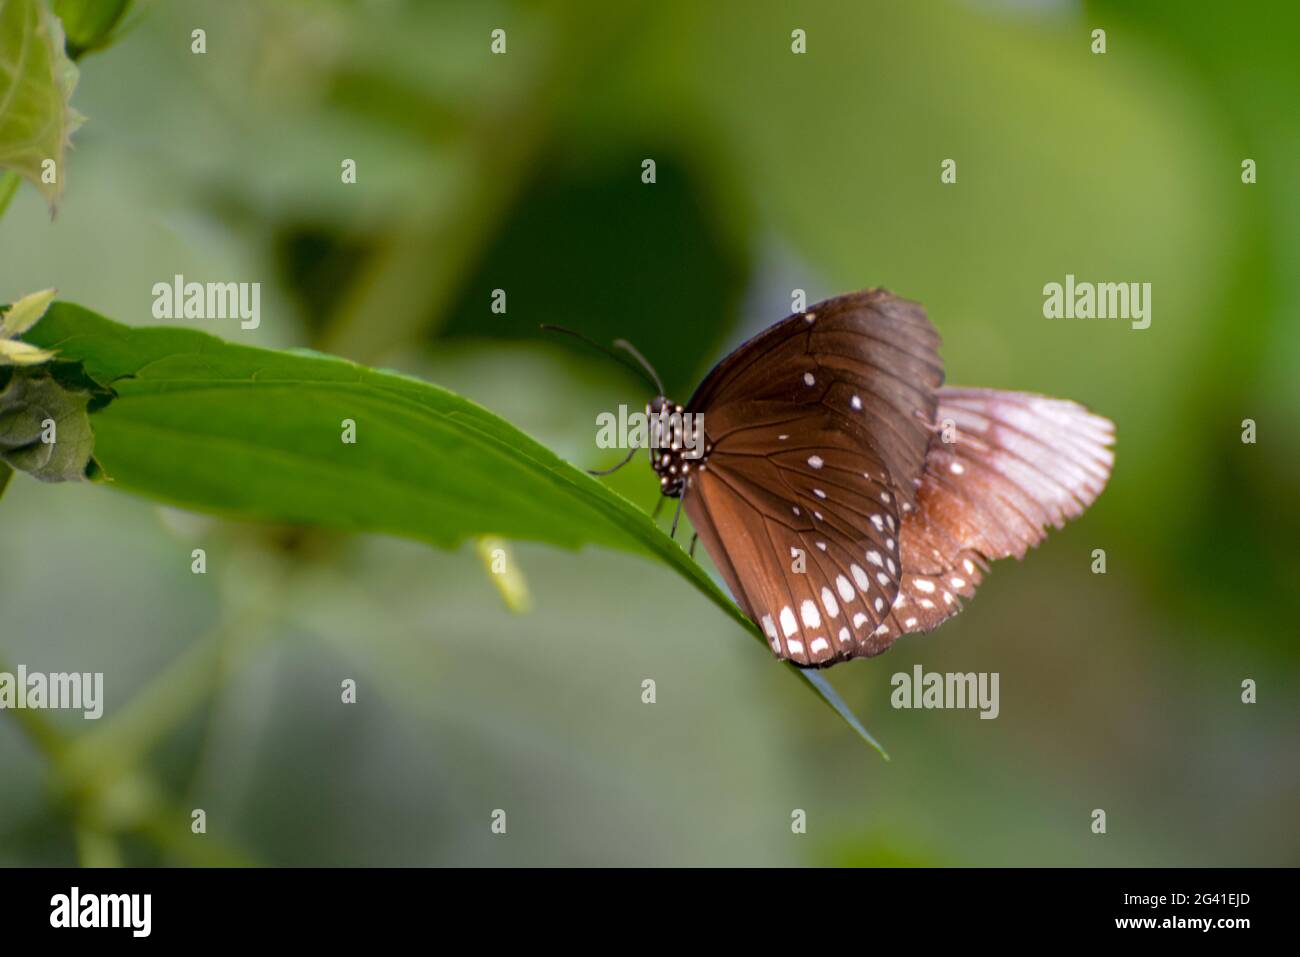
[847,497]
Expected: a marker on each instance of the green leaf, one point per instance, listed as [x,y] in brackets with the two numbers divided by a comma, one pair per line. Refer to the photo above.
[6,473]
[36,81]
[89,24]
[258,434]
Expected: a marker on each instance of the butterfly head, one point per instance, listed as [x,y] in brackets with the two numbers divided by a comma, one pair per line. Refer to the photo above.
[677,445]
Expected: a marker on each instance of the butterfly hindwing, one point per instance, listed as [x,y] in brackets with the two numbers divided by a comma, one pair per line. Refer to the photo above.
[1017,464]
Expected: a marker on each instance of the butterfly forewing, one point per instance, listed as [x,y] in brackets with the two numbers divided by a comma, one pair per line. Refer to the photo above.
[817,431]
[869,358]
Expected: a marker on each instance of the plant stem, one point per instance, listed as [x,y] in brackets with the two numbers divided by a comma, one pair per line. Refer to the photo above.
[158,821]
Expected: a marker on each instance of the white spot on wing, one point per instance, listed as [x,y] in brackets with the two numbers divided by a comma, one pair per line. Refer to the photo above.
[788,624]
[829,603]
[845,589]
[811,616]
[816,461]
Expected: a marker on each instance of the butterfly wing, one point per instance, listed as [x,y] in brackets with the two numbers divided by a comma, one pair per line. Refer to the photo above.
[869,358]
[1019,464]
[817,431]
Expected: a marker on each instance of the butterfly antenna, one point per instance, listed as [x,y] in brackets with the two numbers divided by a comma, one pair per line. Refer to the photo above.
[645,363]
[640,370]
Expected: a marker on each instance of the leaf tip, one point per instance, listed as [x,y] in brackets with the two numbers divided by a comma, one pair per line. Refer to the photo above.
[25,313]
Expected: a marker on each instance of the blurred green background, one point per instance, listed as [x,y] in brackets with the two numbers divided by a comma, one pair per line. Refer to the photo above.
[775,171]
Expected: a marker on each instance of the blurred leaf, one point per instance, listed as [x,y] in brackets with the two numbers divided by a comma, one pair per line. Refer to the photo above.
[318,263]
[257,434]
[89,24]
[1244,67]
[6,473]
[36,82]
[662,273]
[8,186]
[434,238]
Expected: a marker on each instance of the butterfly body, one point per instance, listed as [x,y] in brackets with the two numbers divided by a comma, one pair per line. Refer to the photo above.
[846,496]
[674,449]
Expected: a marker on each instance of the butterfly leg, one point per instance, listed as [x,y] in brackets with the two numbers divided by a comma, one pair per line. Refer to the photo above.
[676,515]
[630,452]
[659,506]
[694,539]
